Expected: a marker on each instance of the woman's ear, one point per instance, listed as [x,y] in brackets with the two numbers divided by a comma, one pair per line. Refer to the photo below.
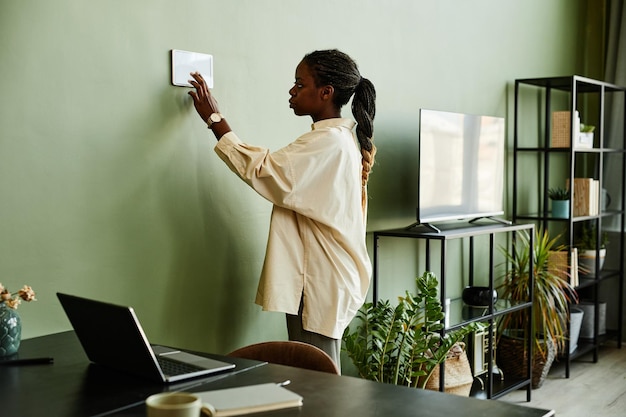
[326,93]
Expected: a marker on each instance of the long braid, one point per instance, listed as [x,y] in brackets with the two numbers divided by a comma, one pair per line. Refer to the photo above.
[332,67]
[364,110]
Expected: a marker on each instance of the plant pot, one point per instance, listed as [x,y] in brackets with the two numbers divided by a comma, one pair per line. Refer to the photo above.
[584,140]
[512,356]
[560,209]
[575,324]
[587,327]
[587,261]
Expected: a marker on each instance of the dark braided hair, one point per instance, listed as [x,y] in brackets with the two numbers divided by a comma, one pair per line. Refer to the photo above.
[334,68]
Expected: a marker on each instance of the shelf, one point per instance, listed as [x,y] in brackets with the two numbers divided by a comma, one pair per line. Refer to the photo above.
[584,84]
[563,164]
[587,346]
[584,348]
[586,280]
[500,385]
[452,231]
[457,312]
[568,150]
[537,216]
[460,313]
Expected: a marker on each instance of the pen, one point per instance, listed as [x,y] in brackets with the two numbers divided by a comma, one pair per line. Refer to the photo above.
[27,361]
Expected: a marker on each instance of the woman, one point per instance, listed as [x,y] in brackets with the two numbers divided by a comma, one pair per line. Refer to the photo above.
[317,269]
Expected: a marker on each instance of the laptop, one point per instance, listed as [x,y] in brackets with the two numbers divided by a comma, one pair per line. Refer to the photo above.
[112,336]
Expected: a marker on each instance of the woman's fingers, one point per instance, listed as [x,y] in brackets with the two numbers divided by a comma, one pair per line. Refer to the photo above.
[198,81]
[203,101]
[202,91]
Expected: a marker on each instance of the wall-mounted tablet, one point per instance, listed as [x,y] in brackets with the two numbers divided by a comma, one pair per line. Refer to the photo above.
[185,62]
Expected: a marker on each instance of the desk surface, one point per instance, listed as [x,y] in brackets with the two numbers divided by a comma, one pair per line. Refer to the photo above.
[74,387]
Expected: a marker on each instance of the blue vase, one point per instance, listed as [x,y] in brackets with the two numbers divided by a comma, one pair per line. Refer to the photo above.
[10,330]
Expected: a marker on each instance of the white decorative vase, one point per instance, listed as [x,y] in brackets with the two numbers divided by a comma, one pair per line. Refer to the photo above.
[587,261]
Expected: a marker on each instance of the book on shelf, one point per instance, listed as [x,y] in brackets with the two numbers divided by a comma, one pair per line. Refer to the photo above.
[585,196]
[247,399]
[573,269]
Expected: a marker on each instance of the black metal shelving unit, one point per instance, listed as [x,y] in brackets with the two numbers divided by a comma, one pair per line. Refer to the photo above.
[456,312]
[574,94]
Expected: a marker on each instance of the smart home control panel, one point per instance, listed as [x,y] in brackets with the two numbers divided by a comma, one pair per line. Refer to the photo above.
[185,62]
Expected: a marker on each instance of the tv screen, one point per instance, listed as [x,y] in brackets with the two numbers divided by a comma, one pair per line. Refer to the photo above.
[461,166]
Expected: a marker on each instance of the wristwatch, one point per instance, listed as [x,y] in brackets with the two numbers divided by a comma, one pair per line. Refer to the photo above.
[214,118]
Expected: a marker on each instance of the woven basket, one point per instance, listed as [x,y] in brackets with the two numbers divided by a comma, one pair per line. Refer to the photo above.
[458,373]
[561,129]
[512,356]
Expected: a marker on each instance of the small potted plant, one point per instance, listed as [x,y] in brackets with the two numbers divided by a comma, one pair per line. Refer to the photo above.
[585,137]
[560,202]
[588,248]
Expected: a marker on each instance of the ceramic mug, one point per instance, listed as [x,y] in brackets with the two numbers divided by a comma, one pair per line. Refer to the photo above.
[173,404]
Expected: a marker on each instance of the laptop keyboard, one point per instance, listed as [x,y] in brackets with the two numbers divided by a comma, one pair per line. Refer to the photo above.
[170,367]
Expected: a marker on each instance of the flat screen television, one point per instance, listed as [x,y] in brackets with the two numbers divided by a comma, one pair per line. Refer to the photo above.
[461,167]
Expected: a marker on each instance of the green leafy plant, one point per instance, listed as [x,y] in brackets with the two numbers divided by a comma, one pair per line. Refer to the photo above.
[402,345]
[588,239]
[558,193]
[551,292]
[587,128]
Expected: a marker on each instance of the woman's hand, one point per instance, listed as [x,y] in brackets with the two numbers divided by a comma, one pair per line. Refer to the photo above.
[206,105]
[203,101]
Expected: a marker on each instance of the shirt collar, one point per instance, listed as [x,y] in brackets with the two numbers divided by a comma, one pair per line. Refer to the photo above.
[337,122]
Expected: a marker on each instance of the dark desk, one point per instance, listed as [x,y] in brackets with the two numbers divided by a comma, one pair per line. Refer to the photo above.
[73,387]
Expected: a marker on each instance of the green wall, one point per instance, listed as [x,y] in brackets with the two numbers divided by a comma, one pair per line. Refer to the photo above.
[109,184]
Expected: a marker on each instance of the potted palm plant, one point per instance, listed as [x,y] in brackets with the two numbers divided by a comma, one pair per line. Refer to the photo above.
[551,295]
[405,344]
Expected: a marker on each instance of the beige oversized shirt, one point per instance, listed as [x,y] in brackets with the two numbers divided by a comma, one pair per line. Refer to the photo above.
[316,246]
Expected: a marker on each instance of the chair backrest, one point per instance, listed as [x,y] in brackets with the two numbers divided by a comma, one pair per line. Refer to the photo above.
[290,353]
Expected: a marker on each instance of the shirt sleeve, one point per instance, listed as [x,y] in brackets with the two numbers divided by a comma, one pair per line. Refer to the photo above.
[269,174]
[317,175]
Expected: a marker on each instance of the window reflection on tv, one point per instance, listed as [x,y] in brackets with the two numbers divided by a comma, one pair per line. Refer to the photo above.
[461,166]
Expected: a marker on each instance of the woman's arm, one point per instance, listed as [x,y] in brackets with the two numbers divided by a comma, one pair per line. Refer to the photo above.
[206,105]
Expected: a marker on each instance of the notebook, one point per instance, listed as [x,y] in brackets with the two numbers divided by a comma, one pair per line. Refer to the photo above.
[247,399]
[112,336]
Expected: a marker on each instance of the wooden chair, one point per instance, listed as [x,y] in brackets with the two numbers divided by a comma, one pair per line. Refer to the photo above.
[290,353]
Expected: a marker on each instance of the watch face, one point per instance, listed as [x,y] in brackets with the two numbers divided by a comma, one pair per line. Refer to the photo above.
[215,117]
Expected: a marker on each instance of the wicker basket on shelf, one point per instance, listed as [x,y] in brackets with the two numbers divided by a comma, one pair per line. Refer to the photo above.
[512,356]
[458,373]
[561,129]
